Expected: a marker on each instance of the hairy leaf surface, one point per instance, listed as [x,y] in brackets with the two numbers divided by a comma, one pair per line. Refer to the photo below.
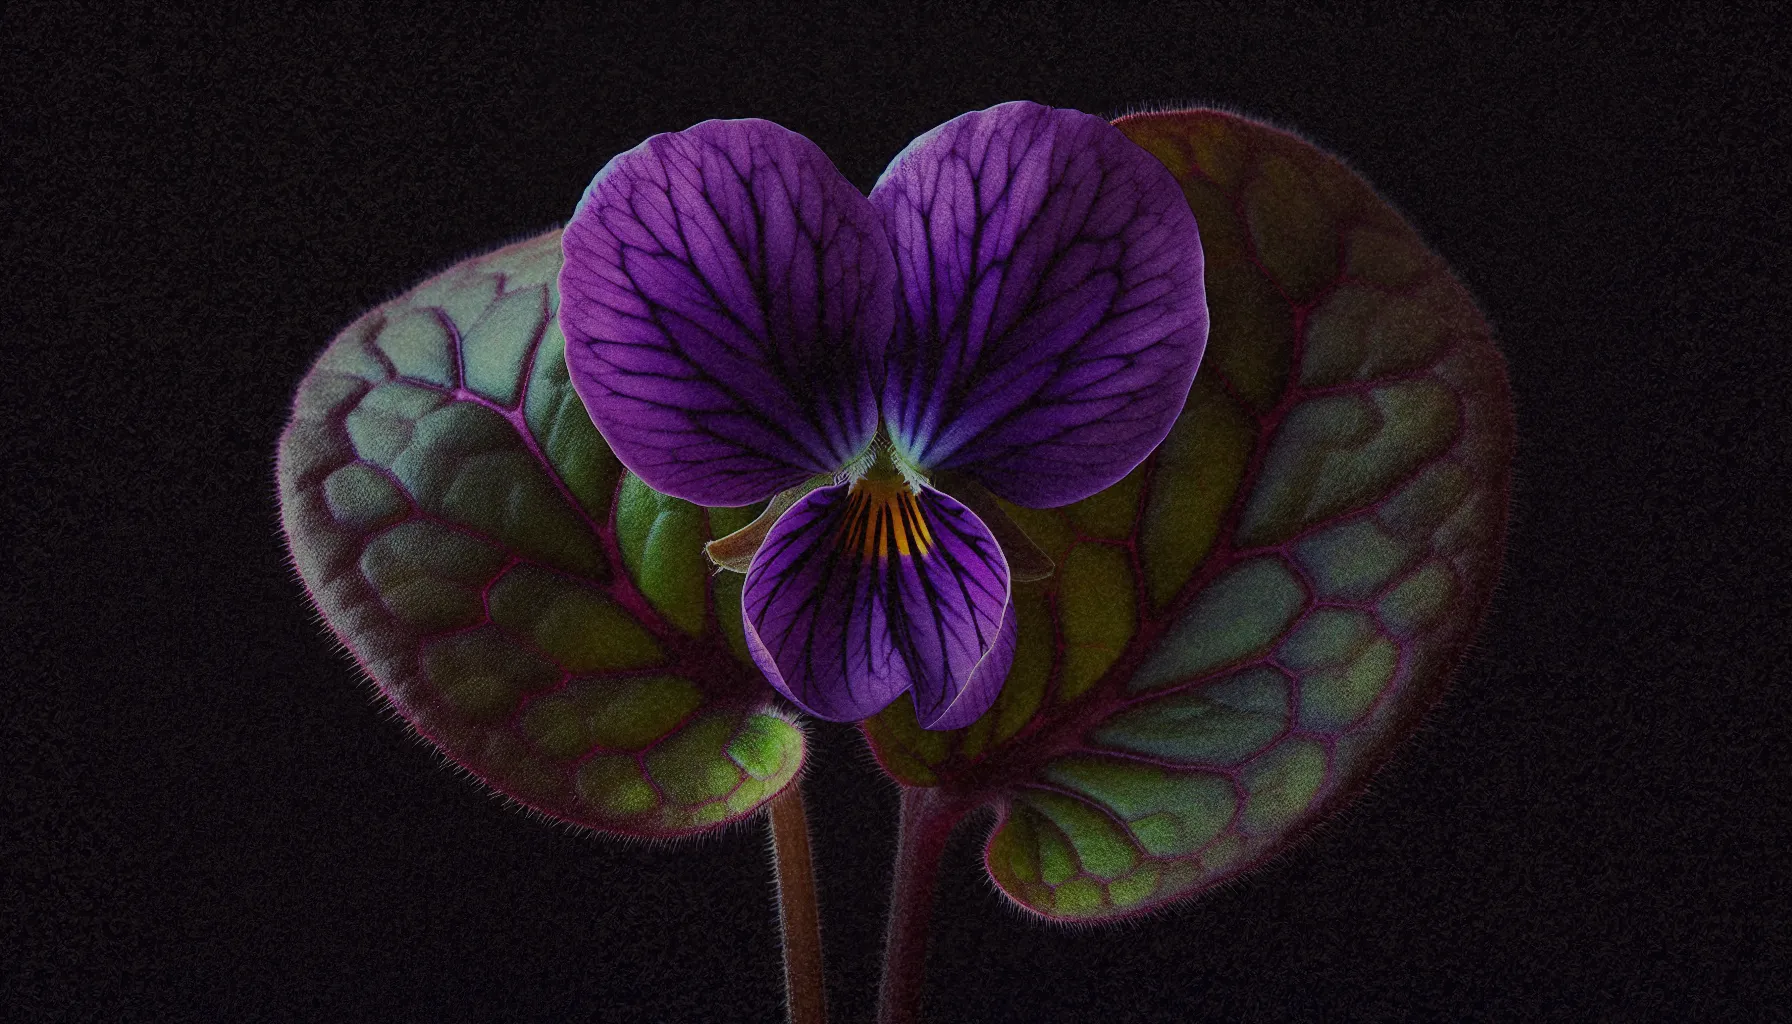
[541,616]
[1241,630]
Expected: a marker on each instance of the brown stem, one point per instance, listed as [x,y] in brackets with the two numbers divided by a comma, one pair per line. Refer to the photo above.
[799,915]
[927,821]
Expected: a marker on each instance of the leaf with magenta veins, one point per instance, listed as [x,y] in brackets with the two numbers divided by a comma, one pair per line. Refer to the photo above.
[537,613]
[1239,632]
[1222,646]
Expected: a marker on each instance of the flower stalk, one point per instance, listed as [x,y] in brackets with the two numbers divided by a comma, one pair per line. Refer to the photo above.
[928,818]
[799,913]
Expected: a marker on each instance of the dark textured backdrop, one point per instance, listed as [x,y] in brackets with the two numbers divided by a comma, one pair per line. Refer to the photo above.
[207,818]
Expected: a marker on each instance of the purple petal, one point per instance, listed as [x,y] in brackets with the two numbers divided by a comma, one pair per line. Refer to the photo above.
[1051,313]
[726,298]
[861,592]
[985,685]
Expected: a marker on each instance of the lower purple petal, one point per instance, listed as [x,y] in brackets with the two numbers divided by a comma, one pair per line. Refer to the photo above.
[985,685]
[862,592]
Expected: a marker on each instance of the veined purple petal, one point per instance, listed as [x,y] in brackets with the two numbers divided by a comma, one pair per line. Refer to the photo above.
[1051,313]
[985,685]
[726,298]
[863,591]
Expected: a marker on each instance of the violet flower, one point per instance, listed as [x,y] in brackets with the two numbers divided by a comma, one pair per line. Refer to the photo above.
[1016,309]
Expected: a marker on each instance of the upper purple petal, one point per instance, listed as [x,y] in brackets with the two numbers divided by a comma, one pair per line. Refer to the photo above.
[863,591]
[726,298]
[1051,313]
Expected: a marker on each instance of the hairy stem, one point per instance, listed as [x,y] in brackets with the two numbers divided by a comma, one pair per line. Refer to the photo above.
[799,915]
[927,821]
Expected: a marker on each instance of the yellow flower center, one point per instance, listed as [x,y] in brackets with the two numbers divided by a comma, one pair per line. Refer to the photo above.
[883,515]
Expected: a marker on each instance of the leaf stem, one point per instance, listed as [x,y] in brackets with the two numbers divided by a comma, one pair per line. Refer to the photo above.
[927,822]
[799,915]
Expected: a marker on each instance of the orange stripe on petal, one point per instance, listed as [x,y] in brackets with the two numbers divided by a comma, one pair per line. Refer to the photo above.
[884,517]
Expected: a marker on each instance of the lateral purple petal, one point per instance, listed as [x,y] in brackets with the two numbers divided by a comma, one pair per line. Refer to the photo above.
[861,592]
[1051,312]
[726,299]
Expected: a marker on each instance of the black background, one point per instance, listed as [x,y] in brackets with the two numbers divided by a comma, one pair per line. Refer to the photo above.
[208,818]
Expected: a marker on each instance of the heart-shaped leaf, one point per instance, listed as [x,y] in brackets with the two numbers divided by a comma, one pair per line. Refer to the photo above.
[543,617]
[1241,631]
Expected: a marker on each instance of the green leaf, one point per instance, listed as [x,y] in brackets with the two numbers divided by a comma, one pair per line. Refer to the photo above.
[1217,666]
[541,616]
